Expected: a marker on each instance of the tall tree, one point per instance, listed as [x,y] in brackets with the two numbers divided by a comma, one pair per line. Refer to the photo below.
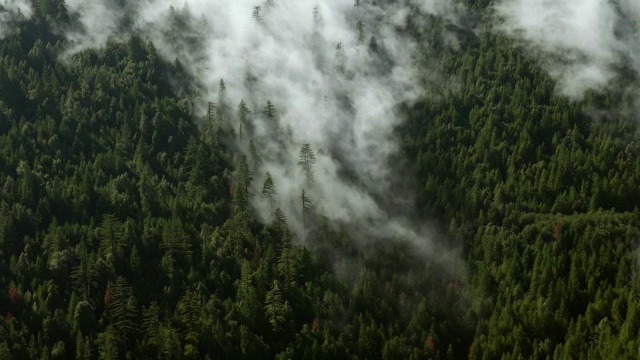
[269,190]
[257,14]
[223,104]
[306,207]
[341,58]
[269,111]
[360,31]
[83,277]
[123,311]
[275,307]
[279,222]
[253,151]
[242,182]
[151,325]
[111,233]
[244,116]
[288,266]
[306,162]
[189,309]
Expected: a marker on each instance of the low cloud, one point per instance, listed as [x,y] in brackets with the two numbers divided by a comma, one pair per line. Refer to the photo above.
[335,72]
[583,44]
[12,12]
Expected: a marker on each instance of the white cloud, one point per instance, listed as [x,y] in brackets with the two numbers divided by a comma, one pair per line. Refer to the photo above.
[582,43]
[350,116]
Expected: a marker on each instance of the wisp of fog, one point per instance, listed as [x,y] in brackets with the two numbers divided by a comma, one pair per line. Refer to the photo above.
[12,11]
[334,72]
[584,44]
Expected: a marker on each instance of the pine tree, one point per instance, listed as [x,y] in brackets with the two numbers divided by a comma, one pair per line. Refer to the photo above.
[242,182]
[82,278]
[109,343]
[151,324]
[269,111]
[360,30]
[244,177]
[80,347]
[257,14]
[287,267]
[244,116]
[211,114]
[306,161]
[222,89]
[306,207]
[123,309]
[247,296]
[175,241]
[279,221]
[253,151]
[222,105]
[269,190]
[341,58]
[189,309]
[275,308]
[111,234]
[210,126]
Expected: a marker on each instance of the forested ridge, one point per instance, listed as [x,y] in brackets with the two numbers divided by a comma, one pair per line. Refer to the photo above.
[127,229]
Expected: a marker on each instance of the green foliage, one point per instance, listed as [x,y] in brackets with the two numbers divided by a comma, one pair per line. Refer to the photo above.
[305,205]
[269,190]
[275,308]
[123,233]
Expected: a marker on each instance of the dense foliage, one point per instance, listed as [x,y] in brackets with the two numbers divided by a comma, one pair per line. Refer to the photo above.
[126,229]
[544,195]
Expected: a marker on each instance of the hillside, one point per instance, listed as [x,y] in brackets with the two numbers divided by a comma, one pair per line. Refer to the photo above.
[425,189]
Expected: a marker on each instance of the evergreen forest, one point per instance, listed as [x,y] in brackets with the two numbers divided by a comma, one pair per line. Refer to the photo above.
[129,230]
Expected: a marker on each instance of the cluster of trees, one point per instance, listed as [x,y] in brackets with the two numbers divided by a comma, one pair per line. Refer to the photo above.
[543,194]
[126,225]
[126,230]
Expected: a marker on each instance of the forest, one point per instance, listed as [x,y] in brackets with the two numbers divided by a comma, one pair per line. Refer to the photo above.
[133,202]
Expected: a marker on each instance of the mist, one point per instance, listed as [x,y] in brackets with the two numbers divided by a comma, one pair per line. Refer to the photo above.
[584,45]
[335,73]
[11,12]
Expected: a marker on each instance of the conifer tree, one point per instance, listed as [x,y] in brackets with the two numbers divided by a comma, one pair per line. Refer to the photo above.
[306,162]
[269,190]
[269,111]
[360,30]
[242,182]
[244,116]
[151,324]
[257,14]
[223,105]
[287,266]
[341,58]
[123,310]
[189,309]
[306,207]
[275,307]
[83,278]
[111,234]
[253,151]
[279,221]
